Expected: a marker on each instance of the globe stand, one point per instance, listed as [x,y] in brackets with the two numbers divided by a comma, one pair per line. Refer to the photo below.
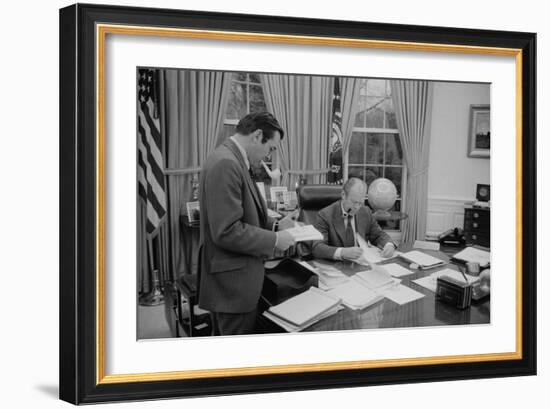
[382,214]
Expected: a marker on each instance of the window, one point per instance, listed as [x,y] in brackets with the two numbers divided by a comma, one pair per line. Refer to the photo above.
[246,96]
[375,149]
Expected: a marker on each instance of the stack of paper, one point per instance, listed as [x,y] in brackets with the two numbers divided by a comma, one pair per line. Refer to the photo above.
[396,270]
[303,310]
[401,294]
[430,282]
[376,279]
[355,295]
[471,254]
[424,261]
[382,284]
[273,214]
[329,276]
[305,233]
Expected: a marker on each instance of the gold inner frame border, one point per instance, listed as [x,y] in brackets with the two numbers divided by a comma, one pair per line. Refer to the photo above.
[102,30]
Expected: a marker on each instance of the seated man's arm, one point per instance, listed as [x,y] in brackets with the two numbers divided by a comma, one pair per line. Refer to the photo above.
[322,248]
[376,235]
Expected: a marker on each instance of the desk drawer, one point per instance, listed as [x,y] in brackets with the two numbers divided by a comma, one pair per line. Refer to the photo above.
[477,219]
[476,238]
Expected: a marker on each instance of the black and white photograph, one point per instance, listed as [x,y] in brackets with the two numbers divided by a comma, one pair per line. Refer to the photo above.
[387,229]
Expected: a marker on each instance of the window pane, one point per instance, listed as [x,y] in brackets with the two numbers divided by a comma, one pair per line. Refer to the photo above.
[375,115]
[387,107]
[375,148]
[240,76]
[254,78]
[236,107]
[360,117]
[357,148]
[257,102]
[356,172]
[376,88]
[394,153]
[395,174]
[371,173]
[391,122]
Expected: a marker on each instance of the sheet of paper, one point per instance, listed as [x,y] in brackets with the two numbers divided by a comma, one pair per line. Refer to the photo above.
[354,295]
[273,214]
[375,278]
[305,233]
[396,270]
[371,254]
[329,276]
[401,294]
[471,254]
[430,282]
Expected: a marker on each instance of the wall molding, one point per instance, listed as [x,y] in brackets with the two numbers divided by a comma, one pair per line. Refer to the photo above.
[444,213]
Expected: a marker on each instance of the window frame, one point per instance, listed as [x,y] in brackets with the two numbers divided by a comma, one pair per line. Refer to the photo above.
[367,130]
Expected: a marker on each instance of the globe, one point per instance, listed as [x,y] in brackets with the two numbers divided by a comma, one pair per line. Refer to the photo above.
[382,195]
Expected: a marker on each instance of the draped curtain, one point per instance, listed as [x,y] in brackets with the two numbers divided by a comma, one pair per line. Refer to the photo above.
[302,105]
[349,95]
[192,107]
[413,108]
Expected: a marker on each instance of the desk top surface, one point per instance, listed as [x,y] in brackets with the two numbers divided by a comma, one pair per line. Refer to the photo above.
[423,312]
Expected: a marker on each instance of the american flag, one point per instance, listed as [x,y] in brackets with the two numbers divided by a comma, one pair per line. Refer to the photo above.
[335,146]
[150,160]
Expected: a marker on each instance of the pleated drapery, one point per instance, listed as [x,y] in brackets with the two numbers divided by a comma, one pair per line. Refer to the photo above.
[413,109]
[349,94]
[192,107]
[302,105]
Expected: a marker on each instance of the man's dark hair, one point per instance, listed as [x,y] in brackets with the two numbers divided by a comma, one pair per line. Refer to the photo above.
[260,120]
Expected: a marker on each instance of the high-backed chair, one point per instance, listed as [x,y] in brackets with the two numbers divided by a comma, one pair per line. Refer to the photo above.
[312,198]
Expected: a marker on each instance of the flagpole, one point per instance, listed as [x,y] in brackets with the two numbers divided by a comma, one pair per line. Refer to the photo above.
[155,296]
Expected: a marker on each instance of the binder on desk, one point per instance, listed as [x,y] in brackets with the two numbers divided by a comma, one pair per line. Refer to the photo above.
[303,309]
[424,261]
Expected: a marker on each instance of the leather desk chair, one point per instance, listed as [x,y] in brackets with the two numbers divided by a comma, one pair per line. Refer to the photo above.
[312,198]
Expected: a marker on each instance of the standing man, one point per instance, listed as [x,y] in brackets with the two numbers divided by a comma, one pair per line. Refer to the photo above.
[340,221]
[236,233]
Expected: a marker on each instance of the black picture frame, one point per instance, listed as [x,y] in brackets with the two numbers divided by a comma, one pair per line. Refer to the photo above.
[81,375]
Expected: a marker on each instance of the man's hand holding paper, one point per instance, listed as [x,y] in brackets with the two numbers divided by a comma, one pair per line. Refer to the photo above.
[288,221]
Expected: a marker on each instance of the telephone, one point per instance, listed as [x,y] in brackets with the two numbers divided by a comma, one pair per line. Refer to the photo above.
[452,237]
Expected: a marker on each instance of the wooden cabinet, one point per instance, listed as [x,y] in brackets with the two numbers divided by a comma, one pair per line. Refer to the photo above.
[477,226]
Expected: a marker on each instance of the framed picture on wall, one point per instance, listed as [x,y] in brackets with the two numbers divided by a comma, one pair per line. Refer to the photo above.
[479,134]
[104,47]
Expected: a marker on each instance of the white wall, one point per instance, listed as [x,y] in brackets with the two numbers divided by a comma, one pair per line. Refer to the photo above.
[452,175]
[29,171]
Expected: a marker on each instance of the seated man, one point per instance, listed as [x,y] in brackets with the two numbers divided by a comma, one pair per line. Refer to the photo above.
[340,221]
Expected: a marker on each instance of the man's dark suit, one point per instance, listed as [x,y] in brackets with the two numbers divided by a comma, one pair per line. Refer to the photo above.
[330,222]
[236,234]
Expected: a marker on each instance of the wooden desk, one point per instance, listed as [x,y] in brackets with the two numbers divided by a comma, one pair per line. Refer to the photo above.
[424,312]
